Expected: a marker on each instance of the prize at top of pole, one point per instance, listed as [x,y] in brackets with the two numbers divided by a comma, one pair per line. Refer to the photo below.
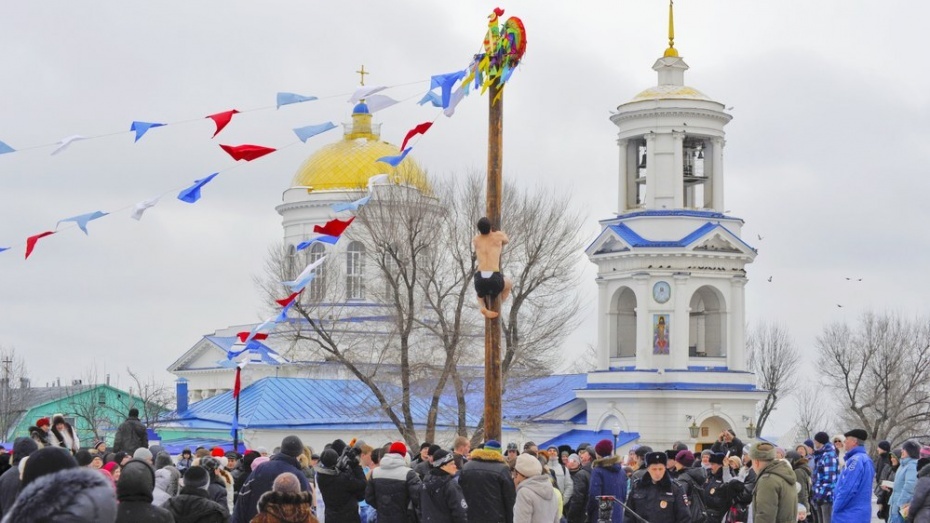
[504,46]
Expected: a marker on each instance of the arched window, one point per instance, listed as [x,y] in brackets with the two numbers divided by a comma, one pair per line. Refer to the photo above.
[355,271]
[318,285]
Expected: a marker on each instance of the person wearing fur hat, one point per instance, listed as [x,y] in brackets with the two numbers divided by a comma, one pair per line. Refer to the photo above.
[262,479]
[285,503]
[826,472]
[441,500]
[655,497]
[39,432]
[193,503]
[852,499]
[394,488]
[537,500]
[74,494]
[775,497]
[342,485]
[131,434]
[905,480]
[487,485]
[607,479]
[134,492]
[63,435]
[185,461]
[9,481]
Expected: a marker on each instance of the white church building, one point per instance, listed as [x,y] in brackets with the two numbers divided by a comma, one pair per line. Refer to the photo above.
[671,346]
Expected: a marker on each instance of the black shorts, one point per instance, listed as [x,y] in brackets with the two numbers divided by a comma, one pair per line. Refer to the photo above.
[489,286]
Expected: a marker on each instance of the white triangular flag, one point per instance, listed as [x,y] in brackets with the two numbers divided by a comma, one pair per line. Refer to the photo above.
[365,92]
[65,142]
[141,207]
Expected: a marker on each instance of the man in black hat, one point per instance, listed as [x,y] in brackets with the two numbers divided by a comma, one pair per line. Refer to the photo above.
[852,499]
[655,497]
[718,495]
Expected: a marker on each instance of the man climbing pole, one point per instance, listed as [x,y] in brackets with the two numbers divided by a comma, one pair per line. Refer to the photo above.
[489,282]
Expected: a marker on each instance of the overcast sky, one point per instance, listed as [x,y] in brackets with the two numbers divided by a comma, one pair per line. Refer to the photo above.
[826,155]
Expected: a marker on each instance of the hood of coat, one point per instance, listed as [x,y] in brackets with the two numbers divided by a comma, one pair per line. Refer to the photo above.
[606,462]
[781,469]
[136,482]
[924,472]
[162,479]
[539,485]
[73,495]
[392,461]
[698,474]
[486,455]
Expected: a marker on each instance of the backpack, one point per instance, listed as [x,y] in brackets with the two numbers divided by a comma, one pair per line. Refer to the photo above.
[694,499]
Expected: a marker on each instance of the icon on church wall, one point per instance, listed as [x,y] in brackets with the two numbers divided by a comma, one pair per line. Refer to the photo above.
[660,325]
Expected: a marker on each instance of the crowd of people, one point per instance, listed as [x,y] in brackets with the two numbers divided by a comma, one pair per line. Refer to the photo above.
[48,476]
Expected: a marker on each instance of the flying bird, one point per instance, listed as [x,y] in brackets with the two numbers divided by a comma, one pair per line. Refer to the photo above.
[770,279]
[760,237]
[838,305]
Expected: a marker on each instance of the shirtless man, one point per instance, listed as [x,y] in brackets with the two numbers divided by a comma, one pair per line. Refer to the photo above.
[489,282]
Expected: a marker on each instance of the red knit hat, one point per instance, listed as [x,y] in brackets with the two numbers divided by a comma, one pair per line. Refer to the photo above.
[604,448]
[43,422]
[217,452]
[398,447]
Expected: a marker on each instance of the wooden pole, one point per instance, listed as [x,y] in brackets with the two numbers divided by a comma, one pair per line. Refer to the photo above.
[492,327]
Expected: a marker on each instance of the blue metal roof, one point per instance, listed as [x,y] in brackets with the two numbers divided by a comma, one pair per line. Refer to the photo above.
[736,387]
[576,437]
[692,213]
[635,240]
[176,446]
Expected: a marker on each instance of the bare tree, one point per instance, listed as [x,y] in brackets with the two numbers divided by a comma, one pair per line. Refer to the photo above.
[812,416]
[97,412]
[154,397]
[775,360]
[878,370]
[14,389]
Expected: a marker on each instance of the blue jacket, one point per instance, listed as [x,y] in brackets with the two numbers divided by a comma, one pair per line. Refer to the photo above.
[852,498]
[905,479]
[607,479]
[826,470]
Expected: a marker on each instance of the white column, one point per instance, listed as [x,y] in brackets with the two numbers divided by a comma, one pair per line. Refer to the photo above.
[681,322]
[736,341]
[678,173]
[652,180]
[643,321]
[624,175]
[603,342]
[717,174]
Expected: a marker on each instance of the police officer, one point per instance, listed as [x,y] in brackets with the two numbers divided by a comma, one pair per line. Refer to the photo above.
[656,498]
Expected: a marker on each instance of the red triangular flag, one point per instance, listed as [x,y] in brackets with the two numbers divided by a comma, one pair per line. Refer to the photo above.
[247,152]
[284,302]
[31,241]
[333,227]
[419,129]
[222,120]
[257,336]
[238,386]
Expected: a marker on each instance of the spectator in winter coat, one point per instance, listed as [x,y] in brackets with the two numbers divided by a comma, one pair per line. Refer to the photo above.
[852,499]
[718,495]
[802,474]
[394,488]
[775,498]
[160,494]
[131,434]
[656,498]
[563,478]
[488,486]
[690,478]
[607,479]
[220,488]
[63,435]
[919,509]
[423,467]
[285,503]
[581,480]
[441,500]
[134,492]
[73,495]
[262,480]
[728,443]
[193,504]
[342,485]
[537,501]
[882,460]
[883,492]
[905,480]
[39,432]
[245,466]
[826,472]
[9,481]
[163,461]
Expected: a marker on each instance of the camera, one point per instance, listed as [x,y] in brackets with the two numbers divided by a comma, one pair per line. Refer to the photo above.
[349,458]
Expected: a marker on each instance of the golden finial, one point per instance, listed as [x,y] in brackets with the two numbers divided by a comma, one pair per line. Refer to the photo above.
[671,51]
[362,72]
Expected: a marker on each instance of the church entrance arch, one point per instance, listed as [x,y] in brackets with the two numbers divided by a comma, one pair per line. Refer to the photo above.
[707,323]
[623,312]
[710,431]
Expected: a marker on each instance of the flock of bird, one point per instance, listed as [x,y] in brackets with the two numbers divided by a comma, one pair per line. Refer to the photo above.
[838,305]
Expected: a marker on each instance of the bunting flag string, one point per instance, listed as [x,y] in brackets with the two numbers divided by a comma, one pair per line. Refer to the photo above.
[65,142]
[32,240]
[247,152]
[323,238]
[364,92]
[4,249]
[192,193]
[285,301]
[305,133]
[140,128]
[140,208]
[379,102]
[393,161]
[445,83]
[244,335]
[418,129]
[431,98]
[333,227]
[222,120]
[82,219]
[292,98]
[351,206]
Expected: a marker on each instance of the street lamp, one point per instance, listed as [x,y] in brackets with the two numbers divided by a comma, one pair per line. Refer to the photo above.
[751,430]
[616,432]
[694,429]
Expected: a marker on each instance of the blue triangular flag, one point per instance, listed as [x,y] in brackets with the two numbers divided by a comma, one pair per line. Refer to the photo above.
[351,206]
[192,193]
[445,82]
[323,238]
[4,249]
[82,219]
[305,133]
[394,160]
[282,317]
[142,127]
[4,148]
[431,98]
[293,98]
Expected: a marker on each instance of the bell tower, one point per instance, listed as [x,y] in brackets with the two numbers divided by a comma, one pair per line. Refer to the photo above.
[671,272]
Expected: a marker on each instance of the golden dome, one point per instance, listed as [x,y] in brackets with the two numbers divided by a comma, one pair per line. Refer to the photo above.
[666,92]
[350,162]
